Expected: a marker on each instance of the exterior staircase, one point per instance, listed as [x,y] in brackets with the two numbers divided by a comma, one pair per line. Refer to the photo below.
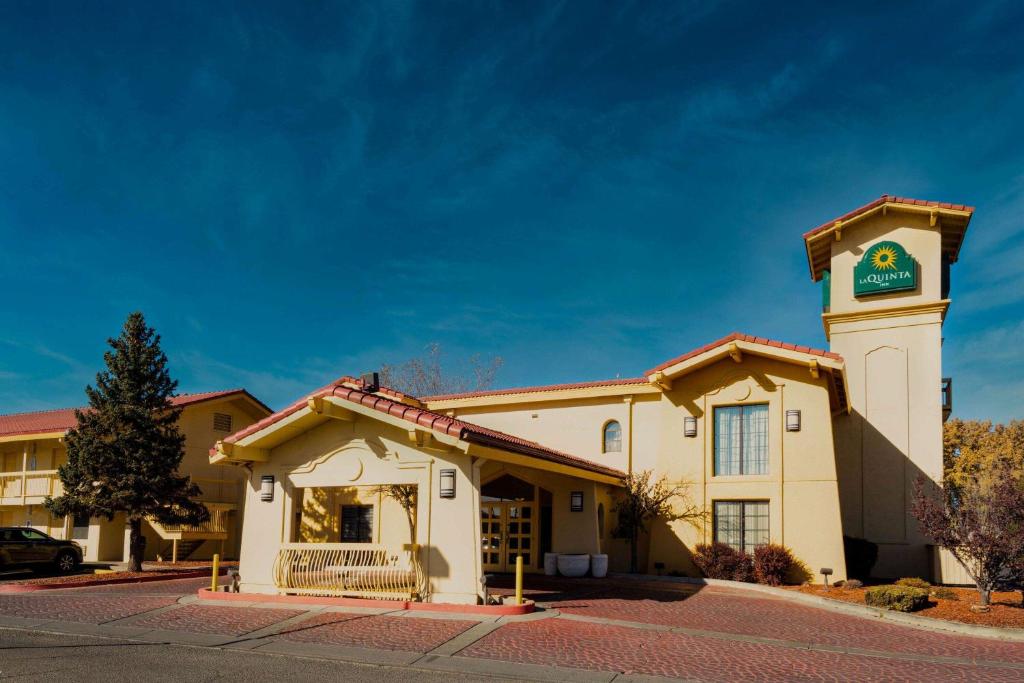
[185,539]
[185,549]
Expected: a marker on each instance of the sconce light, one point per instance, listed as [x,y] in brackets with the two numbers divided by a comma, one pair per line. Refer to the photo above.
[267,488]
[689,426]
[792,420]
[447,483]
[576,501]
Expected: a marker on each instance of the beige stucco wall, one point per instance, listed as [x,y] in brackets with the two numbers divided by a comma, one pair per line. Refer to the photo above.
[894,371]
[913,232]
[321,515]
[801,484]
[367,453]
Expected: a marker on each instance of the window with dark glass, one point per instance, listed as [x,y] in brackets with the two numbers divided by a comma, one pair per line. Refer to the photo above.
[612,437]
[80,528]
[742,524]
[357,524]
[741,440]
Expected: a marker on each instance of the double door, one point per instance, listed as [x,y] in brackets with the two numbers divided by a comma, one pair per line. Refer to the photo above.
[506,530]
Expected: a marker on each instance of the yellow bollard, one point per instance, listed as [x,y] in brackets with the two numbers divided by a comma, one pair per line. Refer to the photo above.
[216,572]
[519,579]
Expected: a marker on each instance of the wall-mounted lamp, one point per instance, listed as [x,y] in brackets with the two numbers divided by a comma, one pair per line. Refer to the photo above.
[689,426]
[792,420]
[576,501]
[267,488]
[447,483]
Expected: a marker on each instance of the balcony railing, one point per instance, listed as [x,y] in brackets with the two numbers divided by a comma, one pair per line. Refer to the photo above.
[17,487]
[349,569]
[947,397]
[215,527]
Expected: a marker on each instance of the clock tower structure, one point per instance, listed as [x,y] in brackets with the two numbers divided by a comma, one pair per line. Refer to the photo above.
[884,269]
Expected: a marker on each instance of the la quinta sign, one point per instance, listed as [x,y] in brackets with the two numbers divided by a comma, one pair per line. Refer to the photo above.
[885,267]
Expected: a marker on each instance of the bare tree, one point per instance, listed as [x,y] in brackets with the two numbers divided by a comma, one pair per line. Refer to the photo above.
[426,376]
[981,522]
[404,495]
[643,500]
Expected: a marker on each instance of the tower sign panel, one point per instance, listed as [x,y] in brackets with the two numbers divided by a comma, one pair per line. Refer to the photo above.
[885,267]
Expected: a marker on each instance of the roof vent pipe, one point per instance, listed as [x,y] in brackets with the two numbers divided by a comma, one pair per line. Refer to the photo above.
[370,381]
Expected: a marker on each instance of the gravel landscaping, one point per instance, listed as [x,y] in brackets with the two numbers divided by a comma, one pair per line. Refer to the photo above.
[1006,609]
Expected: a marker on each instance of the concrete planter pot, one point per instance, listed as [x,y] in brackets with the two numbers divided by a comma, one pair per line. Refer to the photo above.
[573,565]
[550,564]
[599,566]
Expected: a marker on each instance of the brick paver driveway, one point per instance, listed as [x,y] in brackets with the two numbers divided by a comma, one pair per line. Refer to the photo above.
[630,627]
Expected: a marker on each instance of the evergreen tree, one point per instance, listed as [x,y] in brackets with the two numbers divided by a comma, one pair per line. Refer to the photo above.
[124,453]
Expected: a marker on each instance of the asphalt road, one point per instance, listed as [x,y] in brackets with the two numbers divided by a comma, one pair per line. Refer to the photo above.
[34,656]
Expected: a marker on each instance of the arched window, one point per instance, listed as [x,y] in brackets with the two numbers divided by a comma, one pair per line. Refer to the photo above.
[612,437]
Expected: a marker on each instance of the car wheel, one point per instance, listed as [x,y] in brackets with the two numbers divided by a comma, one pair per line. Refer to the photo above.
[66,562]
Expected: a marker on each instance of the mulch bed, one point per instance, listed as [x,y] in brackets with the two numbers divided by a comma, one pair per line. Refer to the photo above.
[73,579]
[1006,607]
[150,570]
[188,564]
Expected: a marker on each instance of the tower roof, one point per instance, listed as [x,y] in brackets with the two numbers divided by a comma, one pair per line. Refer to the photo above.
[952,219]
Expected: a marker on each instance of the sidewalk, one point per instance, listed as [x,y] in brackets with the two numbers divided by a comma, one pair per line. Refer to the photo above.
[589,631]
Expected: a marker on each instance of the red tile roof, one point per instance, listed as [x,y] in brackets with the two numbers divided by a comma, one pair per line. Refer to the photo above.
[547,387]
[882,200]
[63,419]
[344,389]
[739,336]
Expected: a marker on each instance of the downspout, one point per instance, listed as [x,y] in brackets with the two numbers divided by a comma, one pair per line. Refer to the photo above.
[478,569]
[430,519]
[629,441]
[782,470]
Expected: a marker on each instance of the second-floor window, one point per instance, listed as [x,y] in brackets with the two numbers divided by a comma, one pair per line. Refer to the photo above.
[612,437]
[741,440]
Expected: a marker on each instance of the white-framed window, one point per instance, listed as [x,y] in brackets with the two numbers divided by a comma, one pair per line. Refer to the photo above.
[611,438]
[742,524]
[741,439]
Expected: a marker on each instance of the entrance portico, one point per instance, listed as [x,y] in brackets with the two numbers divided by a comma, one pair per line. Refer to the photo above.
[323,504]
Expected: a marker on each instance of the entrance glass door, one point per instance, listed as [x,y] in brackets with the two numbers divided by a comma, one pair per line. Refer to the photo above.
[506,530]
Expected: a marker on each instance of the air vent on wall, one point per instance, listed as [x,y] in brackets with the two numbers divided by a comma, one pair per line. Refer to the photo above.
[222,422]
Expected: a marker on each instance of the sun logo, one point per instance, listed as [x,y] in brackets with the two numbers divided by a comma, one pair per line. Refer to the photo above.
[884,258]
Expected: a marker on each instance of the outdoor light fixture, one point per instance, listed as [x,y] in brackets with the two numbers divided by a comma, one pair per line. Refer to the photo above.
[267,488]
[689,426]
[826,572]
[792,420]
[447,483]
[576,501]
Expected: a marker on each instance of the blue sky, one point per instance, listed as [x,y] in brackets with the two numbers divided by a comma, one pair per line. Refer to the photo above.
[295,191]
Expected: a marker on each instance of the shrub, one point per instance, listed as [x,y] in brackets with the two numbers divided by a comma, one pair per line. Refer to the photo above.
[744,570]
[720,561]
[899,598]
[772,563]
[861,556]
[945,593]
[799,573]
[914,582]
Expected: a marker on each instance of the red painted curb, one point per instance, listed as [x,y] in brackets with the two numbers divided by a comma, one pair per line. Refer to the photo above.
[494,610]
[32,587]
